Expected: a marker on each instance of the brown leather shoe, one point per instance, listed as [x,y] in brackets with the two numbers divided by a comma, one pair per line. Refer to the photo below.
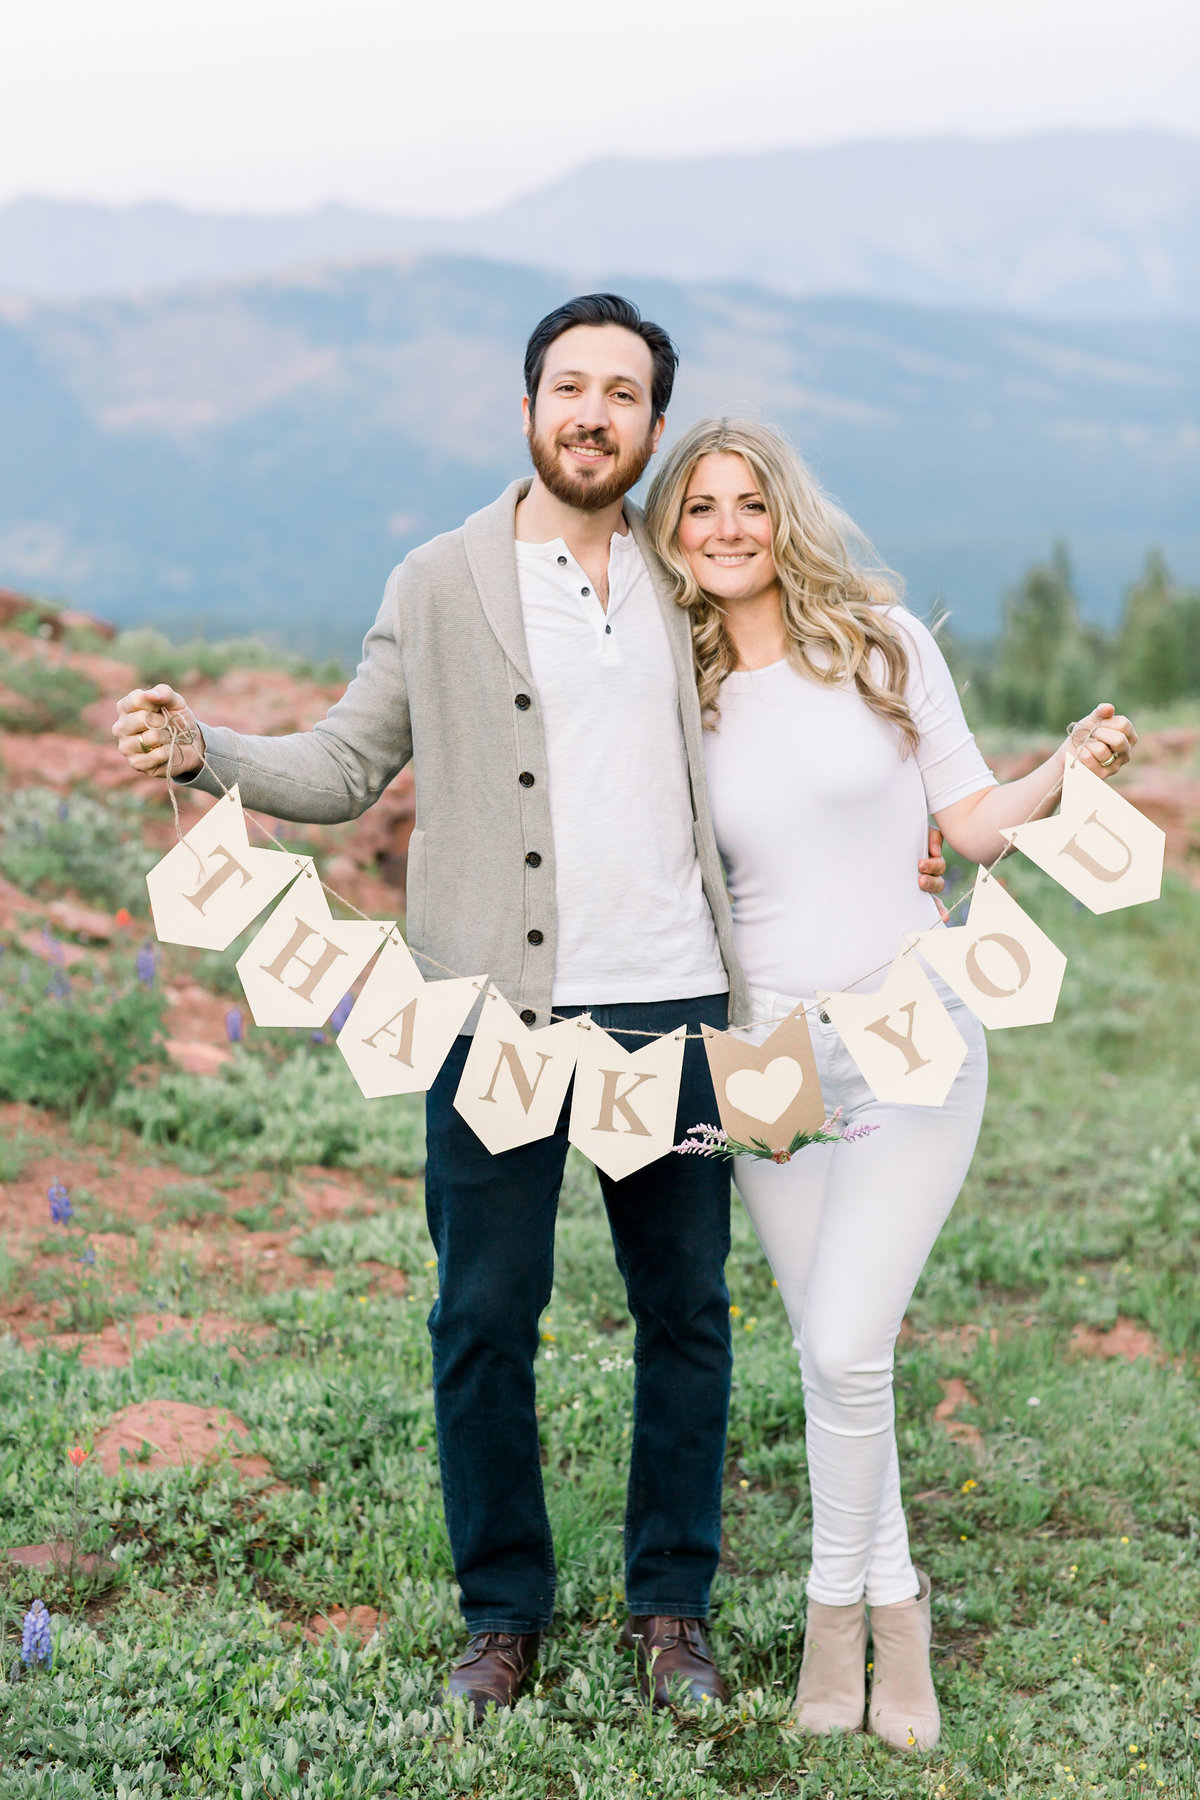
[671,1651]
[492,1669]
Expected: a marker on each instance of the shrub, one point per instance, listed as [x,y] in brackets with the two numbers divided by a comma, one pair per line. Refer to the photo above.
[50,844]
[68,1041]
[259,1114]
[38,695]
[157,659]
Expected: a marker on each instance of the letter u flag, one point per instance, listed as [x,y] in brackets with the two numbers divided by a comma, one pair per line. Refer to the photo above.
[906,1045]
[303,960]
[210,885]
[514,1080]
[1099,847]
[624,1105]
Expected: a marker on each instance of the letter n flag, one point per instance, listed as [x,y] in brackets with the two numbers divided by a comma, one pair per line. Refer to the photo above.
[514,1080]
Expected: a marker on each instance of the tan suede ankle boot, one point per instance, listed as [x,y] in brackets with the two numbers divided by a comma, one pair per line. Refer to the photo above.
[832,1694]
[904,1709]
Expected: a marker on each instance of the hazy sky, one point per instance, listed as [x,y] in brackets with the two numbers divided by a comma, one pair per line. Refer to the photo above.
[453,105]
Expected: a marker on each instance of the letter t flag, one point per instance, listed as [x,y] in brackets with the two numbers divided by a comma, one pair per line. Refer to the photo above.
[209,886]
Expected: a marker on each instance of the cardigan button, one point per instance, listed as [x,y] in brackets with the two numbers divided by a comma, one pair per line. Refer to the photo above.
[534,936]
[523,702]
[525,778]
[528,1016]
[533,859]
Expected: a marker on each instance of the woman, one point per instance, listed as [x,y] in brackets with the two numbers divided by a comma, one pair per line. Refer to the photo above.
[836,727]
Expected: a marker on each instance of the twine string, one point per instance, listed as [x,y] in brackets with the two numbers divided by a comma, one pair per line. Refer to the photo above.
[180,737]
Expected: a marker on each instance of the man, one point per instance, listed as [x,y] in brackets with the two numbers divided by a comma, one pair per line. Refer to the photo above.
[534,669]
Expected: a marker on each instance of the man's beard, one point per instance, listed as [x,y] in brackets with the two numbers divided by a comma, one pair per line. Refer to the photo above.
[588,492]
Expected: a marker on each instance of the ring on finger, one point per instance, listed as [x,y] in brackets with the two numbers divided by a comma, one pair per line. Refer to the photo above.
[143,746]
[1108,761]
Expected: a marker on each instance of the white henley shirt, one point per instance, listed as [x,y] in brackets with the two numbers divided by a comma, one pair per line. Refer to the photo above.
[633,923]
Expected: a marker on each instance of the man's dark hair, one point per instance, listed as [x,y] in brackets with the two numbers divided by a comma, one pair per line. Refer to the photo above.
[604,309]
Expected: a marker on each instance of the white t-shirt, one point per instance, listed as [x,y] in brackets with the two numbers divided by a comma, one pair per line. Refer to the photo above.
[633,923]
[820,820]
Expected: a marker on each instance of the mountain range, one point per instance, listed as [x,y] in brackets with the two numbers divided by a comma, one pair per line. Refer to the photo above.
[256,453]
[1060,225]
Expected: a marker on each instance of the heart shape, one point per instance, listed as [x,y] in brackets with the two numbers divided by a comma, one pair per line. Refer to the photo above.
[765,1093]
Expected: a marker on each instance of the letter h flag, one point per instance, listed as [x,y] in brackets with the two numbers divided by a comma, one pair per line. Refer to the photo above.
[303,960]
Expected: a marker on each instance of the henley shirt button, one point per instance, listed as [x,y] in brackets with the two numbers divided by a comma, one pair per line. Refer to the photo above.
[528,1016]
[533,859]
[608,630]
[562,562]
[523,702]
[525,778]
[585,592]
[535,937]
[824,1017]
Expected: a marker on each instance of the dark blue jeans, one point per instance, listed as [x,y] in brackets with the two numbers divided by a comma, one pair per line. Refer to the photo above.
[492,1220]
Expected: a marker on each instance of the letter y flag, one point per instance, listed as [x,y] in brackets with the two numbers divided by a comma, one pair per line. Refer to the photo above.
[211,885]
[906,1045]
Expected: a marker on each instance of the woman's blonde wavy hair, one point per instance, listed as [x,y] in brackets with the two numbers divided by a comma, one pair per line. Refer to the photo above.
[832,585]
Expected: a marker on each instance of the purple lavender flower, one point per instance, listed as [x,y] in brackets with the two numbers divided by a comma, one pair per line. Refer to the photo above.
[146,963]
[341,1012]
[317,1037]
[54,950]
[60,1203]
[235,1026]
[35,1637]
[64,811]
[88,1259]
[58,987]
[703,1140]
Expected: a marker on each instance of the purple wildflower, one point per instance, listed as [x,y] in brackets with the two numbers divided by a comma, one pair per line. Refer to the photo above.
[317,1037]
[858,1131]
[88,1259]
[58,987]
[703,1140]
[60,1203]
[341,1012]
[64,811]
[50,943]
[146,963]
[35,1637]
[235,1025]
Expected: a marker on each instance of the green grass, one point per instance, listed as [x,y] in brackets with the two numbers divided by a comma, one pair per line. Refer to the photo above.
[53,844]
[1066,1580]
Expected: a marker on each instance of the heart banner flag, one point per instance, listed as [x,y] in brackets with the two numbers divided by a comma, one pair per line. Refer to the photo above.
[770,1091]
[1002,964]
[303,960]
[211,884]
[625,1101]
[514,1080]
[1099,847]
[401,1027]
[906,1045]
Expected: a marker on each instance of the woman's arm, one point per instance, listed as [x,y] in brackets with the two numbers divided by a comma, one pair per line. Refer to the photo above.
[1104,743]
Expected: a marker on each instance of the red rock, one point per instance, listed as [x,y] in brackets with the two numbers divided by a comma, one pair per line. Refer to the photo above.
[196,1059]
[1124,1339]
[955,1393]
[52,950]
[80,920]
[178,1434]
[54,1556]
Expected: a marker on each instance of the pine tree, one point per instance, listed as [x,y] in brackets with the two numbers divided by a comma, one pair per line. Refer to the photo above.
[1048,666]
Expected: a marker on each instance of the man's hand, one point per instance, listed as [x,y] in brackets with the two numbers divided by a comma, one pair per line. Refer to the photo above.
[931,869]
[144,736]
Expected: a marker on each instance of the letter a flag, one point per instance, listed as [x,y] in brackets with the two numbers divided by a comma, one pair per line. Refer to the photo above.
[401,1026]
[906,1045]
[1002,964]
[767,1092]
[1099,847]
[624,1105]
[514,1080]
[303,960]
[210,885]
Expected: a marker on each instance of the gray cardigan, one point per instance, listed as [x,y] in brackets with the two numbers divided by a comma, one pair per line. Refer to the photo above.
[445,682]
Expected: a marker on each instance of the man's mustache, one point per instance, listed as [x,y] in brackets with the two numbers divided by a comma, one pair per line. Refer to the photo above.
[595,440]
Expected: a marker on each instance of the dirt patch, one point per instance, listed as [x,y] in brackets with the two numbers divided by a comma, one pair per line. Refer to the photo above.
[170,1434]
[113,1348]
[955,1395]
[1126,1340]
[61,1557]
[360,1622]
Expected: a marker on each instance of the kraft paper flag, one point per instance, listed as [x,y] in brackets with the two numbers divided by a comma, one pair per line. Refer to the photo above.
[303,960]
[209,887]
[515,1080]
[401,1026]
[906,1045]
[624,1105]
[1002,964]
[768,1091]
[1099,847]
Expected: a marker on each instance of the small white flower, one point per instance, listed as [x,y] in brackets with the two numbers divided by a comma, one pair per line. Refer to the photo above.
[1033,1400]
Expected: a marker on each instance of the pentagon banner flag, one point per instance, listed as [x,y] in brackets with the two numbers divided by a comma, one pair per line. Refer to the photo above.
[1002,964]
[303,960]
[1099,847]
[624,1105]
[767,1092]
[906,1045]
[514,1080]
[401,1026]
[211,885]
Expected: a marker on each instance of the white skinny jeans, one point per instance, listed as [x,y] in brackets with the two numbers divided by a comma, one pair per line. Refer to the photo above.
[847,1230]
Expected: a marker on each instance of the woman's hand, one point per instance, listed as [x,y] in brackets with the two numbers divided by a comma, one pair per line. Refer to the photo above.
[1103,742]
[931,870]
[144,737]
